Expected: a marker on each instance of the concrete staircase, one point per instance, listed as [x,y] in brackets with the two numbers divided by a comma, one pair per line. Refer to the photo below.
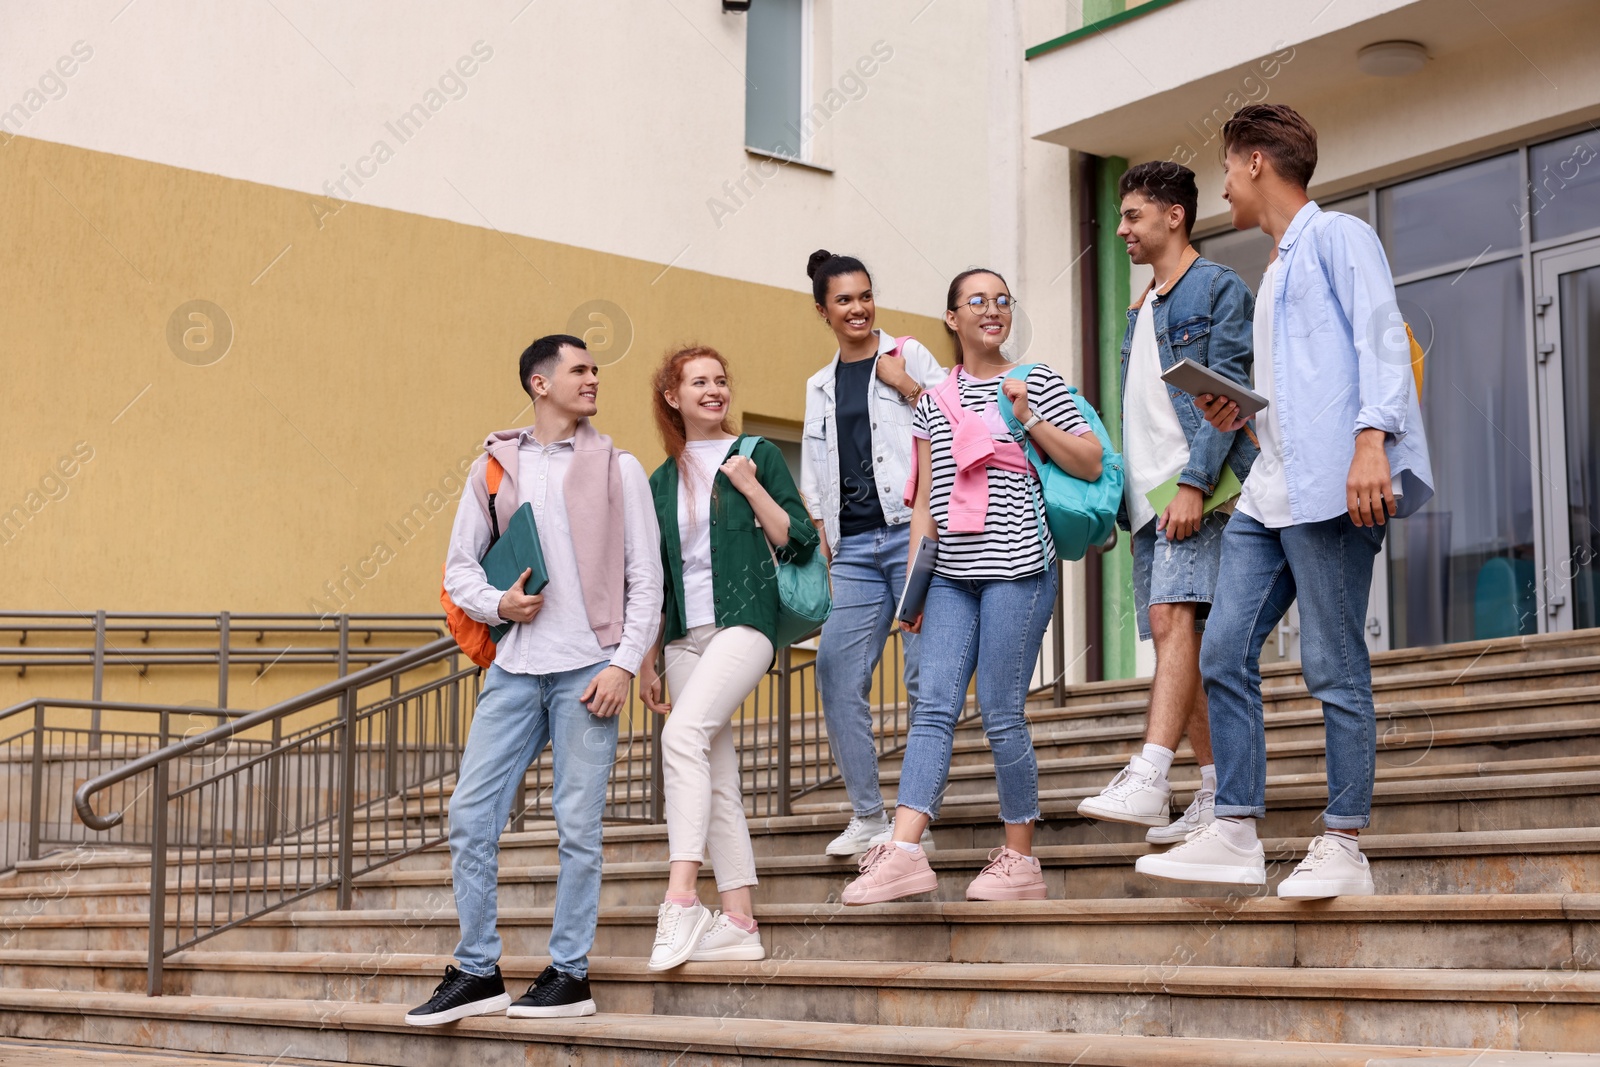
[1485,847]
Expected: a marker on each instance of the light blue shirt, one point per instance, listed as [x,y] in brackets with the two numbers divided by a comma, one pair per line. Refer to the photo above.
[1341,364]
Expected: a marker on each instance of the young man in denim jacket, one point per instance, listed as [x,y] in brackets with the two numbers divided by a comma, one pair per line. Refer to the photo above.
[1200,311]
[1342,451]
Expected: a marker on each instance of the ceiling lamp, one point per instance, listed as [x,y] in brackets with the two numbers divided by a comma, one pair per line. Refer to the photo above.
[1392,59]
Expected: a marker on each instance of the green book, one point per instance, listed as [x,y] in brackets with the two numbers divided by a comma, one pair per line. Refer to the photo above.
[517,550]
[1228,487]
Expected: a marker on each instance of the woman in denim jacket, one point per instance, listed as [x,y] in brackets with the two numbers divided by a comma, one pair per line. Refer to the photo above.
[856,456]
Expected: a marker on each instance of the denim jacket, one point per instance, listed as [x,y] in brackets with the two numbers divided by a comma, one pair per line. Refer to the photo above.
[892,447]
[1341,364]
[1204,315]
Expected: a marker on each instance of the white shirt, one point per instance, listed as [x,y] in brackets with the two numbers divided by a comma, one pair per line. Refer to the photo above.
[1266,491]
[560,638]
[1155,448]
[701,461]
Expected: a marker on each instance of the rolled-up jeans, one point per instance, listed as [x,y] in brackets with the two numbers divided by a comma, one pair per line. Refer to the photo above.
[991,626]
[516,716]
[868,573]
[1329,565]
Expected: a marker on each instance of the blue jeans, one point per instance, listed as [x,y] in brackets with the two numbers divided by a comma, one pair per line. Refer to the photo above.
[517,715]
[994,627]
[1261,571]
[869,574]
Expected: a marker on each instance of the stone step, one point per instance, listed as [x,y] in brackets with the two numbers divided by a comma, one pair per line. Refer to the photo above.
[415,909]
[1467,658]
[1534,1009]
[1546,794]
[1121,706]
[375,1034]
[1407,732]
[1484,931]
[54,1053]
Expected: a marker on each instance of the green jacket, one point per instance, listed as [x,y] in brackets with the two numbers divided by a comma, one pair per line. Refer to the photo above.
[743,580]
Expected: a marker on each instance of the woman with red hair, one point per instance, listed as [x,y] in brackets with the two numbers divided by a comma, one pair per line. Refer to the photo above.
[724,517]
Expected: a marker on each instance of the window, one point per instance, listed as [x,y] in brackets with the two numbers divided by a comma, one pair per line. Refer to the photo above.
[777,56]
[1246,251]
[1456,216]
[1565,185]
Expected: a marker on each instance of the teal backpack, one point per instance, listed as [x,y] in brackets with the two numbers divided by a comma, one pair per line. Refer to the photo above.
[1079,515]
[805,596]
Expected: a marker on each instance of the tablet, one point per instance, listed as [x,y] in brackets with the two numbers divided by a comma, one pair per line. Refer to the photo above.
[1194,379]
[919,576]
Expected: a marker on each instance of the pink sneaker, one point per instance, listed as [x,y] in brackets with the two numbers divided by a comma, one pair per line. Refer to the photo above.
[1009,876]
[889,872]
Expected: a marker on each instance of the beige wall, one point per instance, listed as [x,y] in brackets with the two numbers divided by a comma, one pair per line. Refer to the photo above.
[366,365]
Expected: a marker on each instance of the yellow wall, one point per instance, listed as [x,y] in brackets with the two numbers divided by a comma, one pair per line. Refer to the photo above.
[367,362]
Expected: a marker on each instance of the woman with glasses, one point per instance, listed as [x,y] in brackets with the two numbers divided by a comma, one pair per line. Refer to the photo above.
[993,588]
[855,457]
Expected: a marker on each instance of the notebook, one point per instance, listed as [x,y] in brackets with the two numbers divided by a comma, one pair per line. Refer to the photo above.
[517,550]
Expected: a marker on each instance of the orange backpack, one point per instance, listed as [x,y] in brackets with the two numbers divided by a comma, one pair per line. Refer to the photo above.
[470,634]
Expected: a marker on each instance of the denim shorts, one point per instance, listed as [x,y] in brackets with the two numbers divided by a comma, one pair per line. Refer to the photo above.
[1176,572]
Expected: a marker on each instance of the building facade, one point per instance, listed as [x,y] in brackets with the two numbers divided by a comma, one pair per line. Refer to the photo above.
[270,266]
[1466,133]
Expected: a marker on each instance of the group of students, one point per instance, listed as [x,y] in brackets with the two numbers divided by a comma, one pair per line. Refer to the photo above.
[680,568]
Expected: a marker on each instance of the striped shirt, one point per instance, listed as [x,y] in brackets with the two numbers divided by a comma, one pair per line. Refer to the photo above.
[1009,546]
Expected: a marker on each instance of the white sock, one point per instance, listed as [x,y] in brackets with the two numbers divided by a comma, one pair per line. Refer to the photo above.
[1159,758]
[1349,842]
[1208,778]
[911,847]
[1238,832]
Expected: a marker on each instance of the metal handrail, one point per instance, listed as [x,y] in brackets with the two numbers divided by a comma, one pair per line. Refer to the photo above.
[421,656]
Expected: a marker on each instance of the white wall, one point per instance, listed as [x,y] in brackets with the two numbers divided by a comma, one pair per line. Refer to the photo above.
[608,125]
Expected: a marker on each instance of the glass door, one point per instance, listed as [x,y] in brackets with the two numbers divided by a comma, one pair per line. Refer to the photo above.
[1567,344]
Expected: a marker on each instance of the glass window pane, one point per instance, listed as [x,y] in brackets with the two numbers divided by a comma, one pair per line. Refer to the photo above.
[1565,180]
[1580,377]
[772,65]
[1350,205]
[1246,251]
[1463,567]
[1452,217]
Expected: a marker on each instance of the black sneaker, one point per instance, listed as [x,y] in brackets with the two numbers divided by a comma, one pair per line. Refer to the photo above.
[554,996]
[459,996]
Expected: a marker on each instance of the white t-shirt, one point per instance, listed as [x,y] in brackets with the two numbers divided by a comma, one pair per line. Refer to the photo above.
[702,459]
[1154,447]
[1266,491]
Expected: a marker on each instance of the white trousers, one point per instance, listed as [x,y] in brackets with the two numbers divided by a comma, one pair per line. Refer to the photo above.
[710,672]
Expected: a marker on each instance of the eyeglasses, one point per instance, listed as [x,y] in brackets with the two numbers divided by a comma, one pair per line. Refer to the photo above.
[1002,304]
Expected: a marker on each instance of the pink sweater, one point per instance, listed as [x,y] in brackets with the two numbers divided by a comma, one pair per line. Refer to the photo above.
[975,450]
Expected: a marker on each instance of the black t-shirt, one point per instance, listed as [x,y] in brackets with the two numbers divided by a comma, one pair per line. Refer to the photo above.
[859,510]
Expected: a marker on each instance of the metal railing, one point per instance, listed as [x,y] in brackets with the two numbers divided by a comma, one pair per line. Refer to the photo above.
[248,816]
[224,641]
[268,807]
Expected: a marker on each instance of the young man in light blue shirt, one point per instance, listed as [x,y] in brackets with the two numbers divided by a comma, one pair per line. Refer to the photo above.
[1342,451]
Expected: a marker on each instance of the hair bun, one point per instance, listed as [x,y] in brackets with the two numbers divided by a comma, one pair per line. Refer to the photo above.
[818,258]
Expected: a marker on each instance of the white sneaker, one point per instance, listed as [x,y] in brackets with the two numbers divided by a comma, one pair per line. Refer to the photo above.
[857,837]
[725,941]
[1328,871]
[678,931]
[884,836]
[1134,795]
[1207,856]
[1201,811]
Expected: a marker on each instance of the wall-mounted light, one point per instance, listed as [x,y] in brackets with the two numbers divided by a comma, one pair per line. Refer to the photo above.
[1392,59]
[735,6]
